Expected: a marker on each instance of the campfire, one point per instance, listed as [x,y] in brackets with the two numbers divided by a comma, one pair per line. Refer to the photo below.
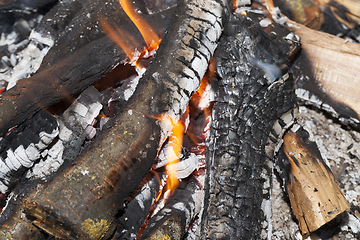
[172,120]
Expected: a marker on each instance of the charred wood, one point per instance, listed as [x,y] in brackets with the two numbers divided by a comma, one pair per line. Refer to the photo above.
[254,104]
[64,148]
[78,205]
[138,209]
[71,65]
[174,219]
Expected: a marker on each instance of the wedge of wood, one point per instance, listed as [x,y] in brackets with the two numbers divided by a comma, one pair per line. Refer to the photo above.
[314,195]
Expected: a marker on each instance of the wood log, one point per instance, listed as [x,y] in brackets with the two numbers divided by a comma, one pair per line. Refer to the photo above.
[72,125]
[139,208]
[77,205]
[254,104]
[334,73]
[350,6]
[314,195]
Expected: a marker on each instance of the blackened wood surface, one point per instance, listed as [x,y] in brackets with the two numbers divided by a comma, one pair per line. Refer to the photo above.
[82,54]
[238,170]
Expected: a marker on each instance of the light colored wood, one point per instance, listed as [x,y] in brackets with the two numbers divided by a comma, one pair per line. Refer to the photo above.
[335,63]
[314,195]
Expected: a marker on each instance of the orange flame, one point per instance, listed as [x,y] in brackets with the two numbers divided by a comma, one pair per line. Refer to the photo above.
[174,148]
[124,40]
[151,38]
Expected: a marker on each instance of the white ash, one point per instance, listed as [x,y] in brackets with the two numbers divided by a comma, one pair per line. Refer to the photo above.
[75,123]
[265,22]
[25,57]
[48,164]
[341,148]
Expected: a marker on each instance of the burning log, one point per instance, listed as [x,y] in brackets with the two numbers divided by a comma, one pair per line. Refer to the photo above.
[122,155]
[331,84]
[71,65]
[173,220]
[139,208]
[254,105]
[313,192]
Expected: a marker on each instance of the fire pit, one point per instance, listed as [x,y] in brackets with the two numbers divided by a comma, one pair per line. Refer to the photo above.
[139,120]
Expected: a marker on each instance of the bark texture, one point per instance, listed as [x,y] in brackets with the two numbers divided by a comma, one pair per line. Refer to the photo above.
[252,95]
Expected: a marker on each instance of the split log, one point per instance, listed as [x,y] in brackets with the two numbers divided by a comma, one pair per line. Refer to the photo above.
[71,65]
[305,12]
[78,205]
[254,104]
[314,195]
[327,73]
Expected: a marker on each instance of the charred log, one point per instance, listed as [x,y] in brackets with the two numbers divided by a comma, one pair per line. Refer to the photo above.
[70,136]
[254,104]
[174,219]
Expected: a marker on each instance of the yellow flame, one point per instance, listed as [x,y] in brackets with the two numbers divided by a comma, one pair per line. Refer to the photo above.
[151,38]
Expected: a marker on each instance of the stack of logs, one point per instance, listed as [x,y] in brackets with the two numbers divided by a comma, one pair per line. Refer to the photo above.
[84,198]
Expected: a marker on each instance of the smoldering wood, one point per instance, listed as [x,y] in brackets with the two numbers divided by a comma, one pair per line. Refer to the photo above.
[71,65]
[250,99]
[326,73]
[174,219]
[78,205]
[314,195]
[16,225]
[139,208]
[24,146]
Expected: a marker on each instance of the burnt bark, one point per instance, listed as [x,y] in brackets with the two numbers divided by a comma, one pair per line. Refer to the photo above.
[253,95]
[173,220]
[82,54]
[83,206]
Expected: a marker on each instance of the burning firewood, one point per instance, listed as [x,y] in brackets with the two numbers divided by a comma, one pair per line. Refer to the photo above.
[122,155]
[70,134]
[174,219]
[71,65]
[139,208]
